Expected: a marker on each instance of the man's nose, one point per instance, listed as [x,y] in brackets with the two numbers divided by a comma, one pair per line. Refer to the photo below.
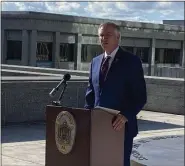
[104,37]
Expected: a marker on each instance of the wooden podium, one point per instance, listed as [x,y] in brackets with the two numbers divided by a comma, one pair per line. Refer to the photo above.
[81,137]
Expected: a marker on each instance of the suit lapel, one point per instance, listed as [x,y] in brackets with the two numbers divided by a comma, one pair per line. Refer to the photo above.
[112,71]
[114,63]
[98,63]
[97,68]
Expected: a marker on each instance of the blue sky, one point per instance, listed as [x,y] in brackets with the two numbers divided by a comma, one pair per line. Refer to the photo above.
[153,12]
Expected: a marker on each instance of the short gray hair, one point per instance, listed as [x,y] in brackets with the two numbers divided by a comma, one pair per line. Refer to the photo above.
[115,26]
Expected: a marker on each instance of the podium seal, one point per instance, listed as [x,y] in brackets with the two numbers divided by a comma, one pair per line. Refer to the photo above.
[65,132]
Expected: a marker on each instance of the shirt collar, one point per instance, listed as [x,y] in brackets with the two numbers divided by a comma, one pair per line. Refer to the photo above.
[112,55]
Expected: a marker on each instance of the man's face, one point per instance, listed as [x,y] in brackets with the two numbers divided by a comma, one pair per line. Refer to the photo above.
[109,38]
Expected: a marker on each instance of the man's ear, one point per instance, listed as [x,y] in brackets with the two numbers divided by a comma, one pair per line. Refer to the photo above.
[119,37]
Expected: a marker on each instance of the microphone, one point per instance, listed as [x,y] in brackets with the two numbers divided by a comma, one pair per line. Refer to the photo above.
[66,78]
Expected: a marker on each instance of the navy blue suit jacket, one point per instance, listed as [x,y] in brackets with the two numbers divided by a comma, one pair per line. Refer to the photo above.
[123,90]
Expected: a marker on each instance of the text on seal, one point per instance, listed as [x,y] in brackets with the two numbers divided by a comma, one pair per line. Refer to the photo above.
[65,132]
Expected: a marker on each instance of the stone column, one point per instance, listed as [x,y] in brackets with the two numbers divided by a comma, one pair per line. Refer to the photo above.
[161,56]
[33,48]
[182,53]
[25,56]
[134,50]
[151,68]
[3,46]
[78,41]
[56,50]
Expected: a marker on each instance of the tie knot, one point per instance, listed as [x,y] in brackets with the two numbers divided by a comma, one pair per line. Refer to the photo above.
[107,58]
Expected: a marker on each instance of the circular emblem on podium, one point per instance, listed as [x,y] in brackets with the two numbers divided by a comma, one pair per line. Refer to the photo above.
[65,132]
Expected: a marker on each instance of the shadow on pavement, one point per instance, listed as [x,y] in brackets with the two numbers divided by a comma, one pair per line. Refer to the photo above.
[146,125]
[23,133]
[36,132]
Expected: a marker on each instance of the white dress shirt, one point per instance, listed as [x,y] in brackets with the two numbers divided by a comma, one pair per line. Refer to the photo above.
[112,55]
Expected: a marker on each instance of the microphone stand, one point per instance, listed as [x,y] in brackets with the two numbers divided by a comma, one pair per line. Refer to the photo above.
[59,102]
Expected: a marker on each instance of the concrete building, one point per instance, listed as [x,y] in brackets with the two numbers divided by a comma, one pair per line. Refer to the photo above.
[70,42]
[174,22]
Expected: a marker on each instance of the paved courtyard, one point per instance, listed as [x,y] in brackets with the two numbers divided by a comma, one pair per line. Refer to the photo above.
[24,144]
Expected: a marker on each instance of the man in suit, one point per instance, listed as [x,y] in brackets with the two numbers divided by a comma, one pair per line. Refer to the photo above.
[116,81]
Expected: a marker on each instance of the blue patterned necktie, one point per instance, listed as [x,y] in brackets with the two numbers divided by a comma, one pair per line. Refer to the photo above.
[104,69]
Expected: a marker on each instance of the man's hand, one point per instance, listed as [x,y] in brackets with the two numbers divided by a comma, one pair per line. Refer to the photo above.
[119,122]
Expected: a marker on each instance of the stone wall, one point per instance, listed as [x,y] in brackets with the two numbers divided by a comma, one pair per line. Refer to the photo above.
[24,100]
[165,95]
[15,70]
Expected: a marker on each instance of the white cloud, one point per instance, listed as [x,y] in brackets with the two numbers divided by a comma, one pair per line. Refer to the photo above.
[101,9]
[119,10]
[66,6]
[122,6]
[164,4]
[60,7]
[20,5]
[51,7]
[95,7]
[131,11]
[150,11]
[166,12]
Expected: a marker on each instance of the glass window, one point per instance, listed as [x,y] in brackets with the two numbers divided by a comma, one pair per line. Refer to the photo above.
[67,52]
[129,49]
[143,53]
[14,50]
[165,55]
[44,51]
[90,51]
